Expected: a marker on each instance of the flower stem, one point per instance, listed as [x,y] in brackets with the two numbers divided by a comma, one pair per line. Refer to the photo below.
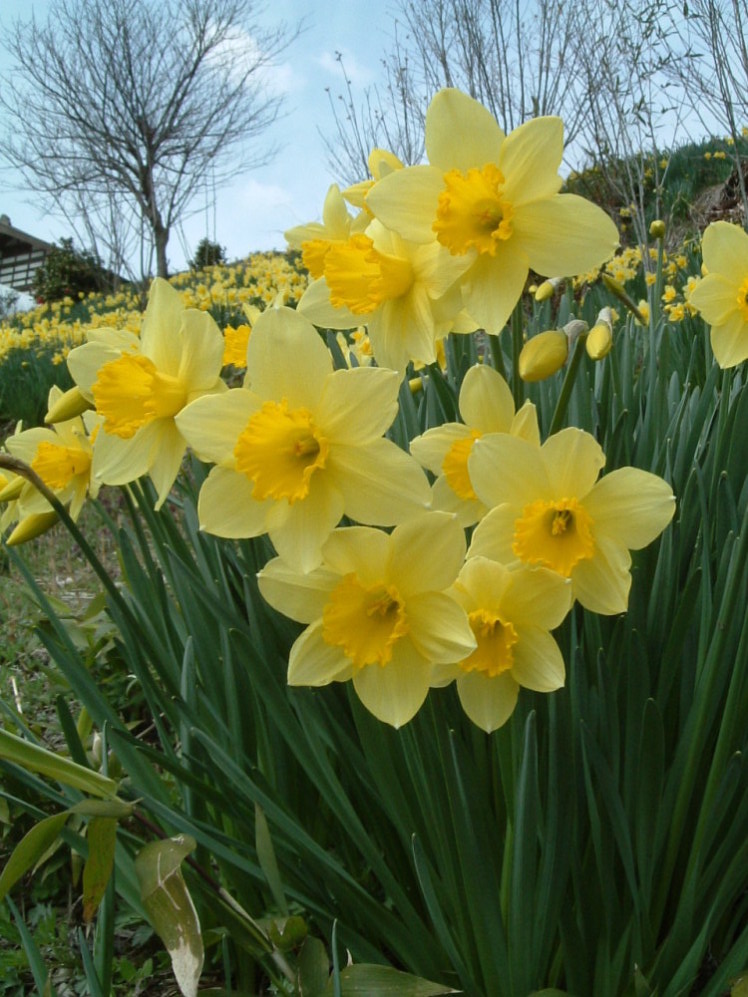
[566,388]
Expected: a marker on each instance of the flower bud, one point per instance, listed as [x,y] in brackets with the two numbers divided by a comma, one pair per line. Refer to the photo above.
[599,341]
[70,404]
[657,229]
[547,289]
[10,491]
[543,355]
[31,527]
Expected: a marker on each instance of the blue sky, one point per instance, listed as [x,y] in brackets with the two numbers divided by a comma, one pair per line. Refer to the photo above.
[255,210]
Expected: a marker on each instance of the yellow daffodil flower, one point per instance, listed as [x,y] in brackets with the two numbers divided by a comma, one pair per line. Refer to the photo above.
[138,386]
[486,406]
[301,445]
[510,613]
[722,295]
[316,239]
[377,612]
[62,456]
[405,292]
[549,509]
[494,200]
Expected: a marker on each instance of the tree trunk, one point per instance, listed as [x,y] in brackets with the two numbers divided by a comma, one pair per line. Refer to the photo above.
[160,238]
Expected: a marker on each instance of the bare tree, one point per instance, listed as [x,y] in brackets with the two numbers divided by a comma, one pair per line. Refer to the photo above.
[713,72]
[520,60]
[630,109]
[133,103]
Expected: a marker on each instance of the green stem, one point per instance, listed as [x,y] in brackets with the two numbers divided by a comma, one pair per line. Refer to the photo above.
[567,387]
[497,356]
[710,673]
[518,387]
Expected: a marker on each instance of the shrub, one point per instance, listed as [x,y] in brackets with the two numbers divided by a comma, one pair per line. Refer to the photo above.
[66,272]
[208,254]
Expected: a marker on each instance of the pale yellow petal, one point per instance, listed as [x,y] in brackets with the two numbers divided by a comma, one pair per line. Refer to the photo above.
[630,506]
[212,424]
[716,297]
[395,692]
[299,530]
[403,330]
[530,160]
[484,584]
[460,132]
[730,341]
[488,702]
[439,627]
[159,337]
[314,662]
[432,447]
[335,214]
[358,405]
[573,460]
[84,362]
[505,468]
[202,351]
[118,462]
[494,535]
[602,583]
[167,459]
[525,424]
[316,307]
[537,597]
[494,284]
[286,358]
[406,201]
[443,497]
[564,235]
[725,250]
[359,550]
[538,662]
[486,402]
[300,596]
[225,506]
[427,553]
[381,484]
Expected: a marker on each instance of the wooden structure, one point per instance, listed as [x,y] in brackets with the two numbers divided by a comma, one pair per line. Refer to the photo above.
[20,256]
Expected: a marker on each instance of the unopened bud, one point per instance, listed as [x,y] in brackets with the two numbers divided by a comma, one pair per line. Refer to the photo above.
[70,404]
[415,384]
[599,341]
[14,487]
[31,527]
[543,355]
[657,229]
[547,289]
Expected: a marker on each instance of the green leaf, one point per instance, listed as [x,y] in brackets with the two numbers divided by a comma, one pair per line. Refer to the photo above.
[266,858]
[37,759]
[103,808]
[313,968]
[382,980]
[38,969]
[102,838]
[30,849]
[170,908]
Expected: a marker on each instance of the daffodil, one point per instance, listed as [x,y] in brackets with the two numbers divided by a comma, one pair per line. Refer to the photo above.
[548,508]
[495,200]
[377,612]
[511,612]
[139,384]
[315,239]
[301,445]
[405,292]
[722,295]
[62,456]
[486,406]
